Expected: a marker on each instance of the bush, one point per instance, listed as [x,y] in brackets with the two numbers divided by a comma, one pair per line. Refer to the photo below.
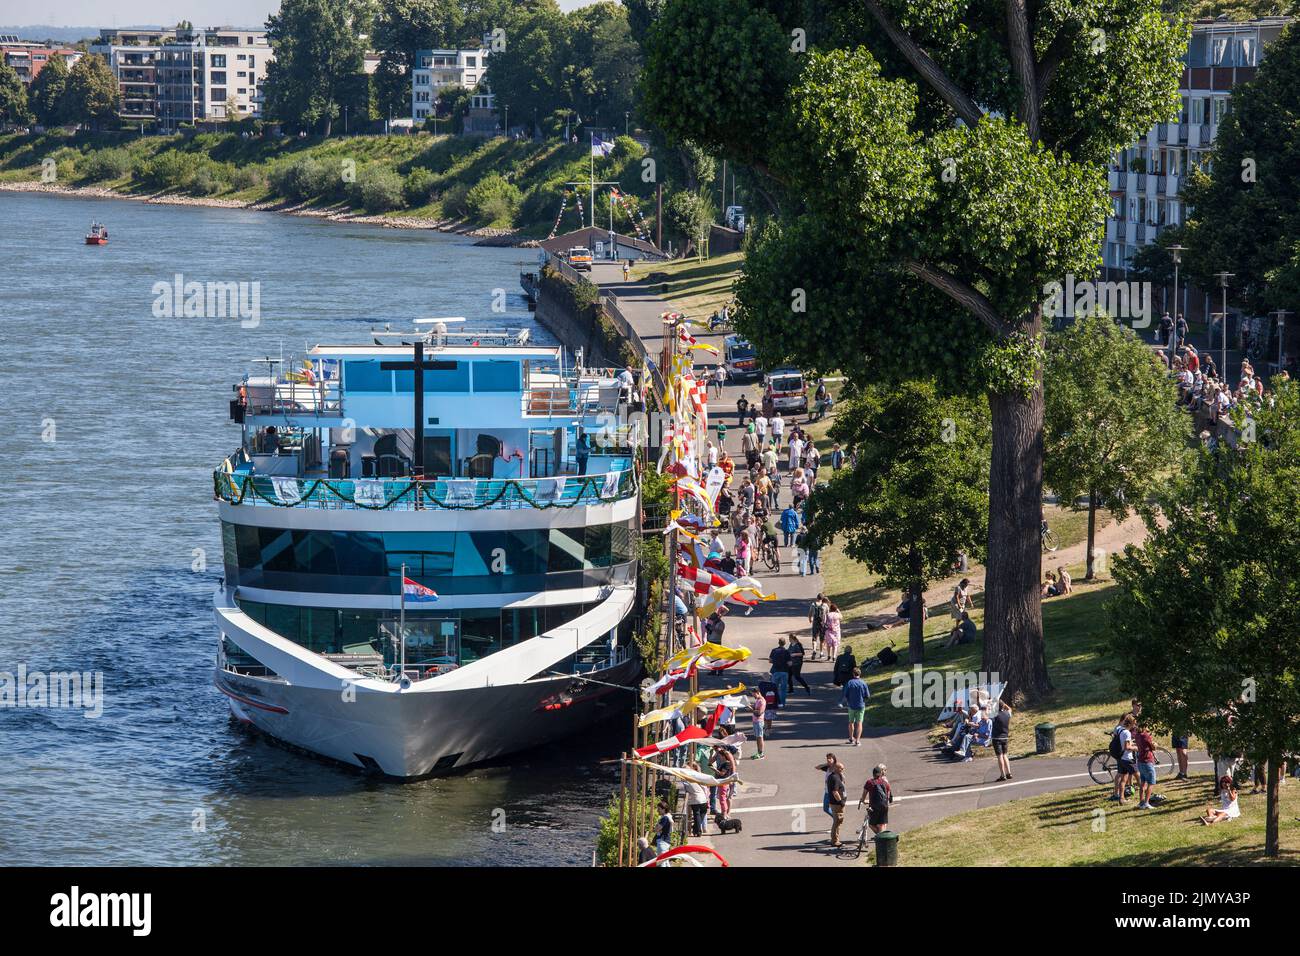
[247,177]
[417,188]
[105,164]
[305,179]
[455,201]
[493,201]
[170,169]
[378,189]
[207,179]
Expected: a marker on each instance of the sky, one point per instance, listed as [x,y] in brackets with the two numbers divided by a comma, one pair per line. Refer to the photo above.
[108,13]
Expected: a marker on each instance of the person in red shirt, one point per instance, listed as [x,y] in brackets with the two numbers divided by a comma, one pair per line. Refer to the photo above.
[1146,762]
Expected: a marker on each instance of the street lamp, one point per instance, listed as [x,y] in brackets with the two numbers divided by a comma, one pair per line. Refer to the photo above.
[1281,335]
[625,122]
[1177,253]
[507,129]
[1223,278]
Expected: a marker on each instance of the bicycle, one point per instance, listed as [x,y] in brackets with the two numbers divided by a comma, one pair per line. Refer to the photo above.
[1048,536]
[853,850]
[771,555]
[1101,766]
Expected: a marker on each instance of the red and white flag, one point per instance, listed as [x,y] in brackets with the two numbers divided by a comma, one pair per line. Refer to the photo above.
[672,743]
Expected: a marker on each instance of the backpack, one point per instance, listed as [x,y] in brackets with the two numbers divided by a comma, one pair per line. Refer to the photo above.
[877,798]
[1116,748]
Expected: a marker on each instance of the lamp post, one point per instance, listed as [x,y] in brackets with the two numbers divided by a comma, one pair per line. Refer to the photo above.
[507,126]
[1223,278]
[1281,335]
[1176,252]
[626,121]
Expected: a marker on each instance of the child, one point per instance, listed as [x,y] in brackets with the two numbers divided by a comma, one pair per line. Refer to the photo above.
[1228,809]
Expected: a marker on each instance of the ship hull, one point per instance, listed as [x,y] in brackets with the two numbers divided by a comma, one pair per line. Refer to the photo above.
[412,735]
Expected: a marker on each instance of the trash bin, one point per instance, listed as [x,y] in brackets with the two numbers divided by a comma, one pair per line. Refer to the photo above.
[1044,738]
[886,848]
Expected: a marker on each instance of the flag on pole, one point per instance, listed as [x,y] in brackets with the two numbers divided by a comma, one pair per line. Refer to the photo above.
[672,743]
[415,591]
[600,147]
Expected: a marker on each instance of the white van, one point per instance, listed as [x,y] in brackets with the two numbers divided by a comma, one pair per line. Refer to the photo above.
[739,358]
[787,390]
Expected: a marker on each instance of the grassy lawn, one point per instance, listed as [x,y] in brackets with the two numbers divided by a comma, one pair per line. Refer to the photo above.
[1066,829]
[696,288]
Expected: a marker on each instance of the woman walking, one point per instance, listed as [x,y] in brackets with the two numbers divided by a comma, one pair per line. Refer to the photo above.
[831,634]
[796,664]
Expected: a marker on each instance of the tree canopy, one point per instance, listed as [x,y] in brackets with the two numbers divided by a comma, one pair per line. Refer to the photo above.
[319,61]
[1112,424]
[91,95]
[919,492]
[1203,628]
[944,162]
[13,97]
[45,97]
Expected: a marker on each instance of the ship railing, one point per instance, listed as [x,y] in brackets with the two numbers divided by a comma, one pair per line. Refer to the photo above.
[298,398]
[383,494]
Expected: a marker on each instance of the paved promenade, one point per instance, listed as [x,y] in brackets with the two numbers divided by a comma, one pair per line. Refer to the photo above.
[780,799]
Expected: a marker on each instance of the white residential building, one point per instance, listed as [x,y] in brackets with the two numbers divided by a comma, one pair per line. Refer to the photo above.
[437,69]
[211,74]
[1146,178]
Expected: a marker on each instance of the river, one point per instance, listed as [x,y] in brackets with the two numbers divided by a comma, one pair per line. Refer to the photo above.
[110,547]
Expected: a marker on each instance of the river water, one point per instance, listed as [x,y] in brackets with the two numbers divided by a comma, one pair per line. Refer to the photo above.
[110,547]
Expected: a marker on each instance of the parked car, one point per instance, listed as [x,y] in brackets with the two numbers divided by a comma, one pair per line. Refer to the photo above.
[786,389]
[735,218]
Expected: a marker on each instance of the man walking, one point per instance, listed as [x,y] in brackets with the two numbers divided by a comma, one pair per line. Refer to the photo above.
[780,661]
[758,709]
[835,800]
[817,618]
[855,697]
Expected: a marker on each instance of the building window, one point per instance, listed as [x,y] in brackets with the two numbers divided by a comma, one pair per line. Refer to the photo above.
[219,60]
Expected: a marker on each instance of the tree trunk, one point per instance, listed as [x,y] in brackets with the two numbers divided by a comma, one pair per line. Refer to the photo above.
[1013,615]
[1092,530]
[329,122]
[1271,824]
[916,627]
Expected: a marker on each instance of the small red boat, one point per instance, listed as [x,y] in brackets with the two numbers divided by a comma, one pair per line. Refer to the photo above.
[98,235]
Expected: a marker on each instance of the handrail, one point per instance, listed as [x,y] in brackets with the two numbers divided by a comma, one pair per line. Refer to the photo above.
[463,494]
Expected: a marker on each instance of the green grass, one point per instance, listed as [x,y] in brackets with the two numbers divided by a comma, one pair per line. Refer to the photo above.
[695,288]
[1079,828]
[455,164]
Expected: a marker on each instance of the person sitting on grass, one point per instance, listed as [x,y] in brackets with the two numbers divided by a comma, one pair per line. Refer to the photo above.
[1228,809]
[1049,586]
[964,633]
[962,724]
[1063,583]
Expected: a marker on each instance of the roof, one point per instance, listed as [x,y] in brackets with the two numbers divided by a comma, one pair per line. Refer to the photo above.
[433,352]
[589,235]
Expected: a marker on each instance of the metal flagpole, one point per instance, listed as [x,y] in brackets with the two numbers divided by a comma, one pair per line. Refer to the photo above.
[593,180]
[401,628]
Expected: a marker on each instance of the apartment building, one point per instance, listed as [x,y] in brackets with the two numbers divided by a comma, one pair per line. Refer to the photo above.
[1146,179]
[27,58]
[132,56]
[437,69]
[212,74]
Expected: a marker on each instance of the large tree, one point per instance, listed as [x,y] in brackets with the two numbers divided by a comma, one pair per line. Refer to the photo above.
[319,54]
[1246,212]
[46,96]
[918,495]
[92,92]
[529,77]
[401,28]
[13,98]
[949,159]
[1113,426]
[1204,626]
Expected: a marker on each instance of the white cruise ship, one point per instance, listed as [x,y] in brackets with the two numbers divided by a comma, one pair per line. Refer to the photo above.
[465,464]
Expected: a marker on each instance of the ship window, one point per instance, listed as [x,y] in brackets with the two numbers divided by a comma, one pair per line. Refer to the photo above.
[277,549]
[598,545]
[247,546]
[425,553]
[566,549]
[496,376]
[367,377]
[359,553]
[480,634]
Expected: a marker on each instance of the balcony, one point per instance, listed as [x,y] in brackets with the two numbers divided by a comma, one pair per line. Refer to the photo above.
[1117,180]
[409,494]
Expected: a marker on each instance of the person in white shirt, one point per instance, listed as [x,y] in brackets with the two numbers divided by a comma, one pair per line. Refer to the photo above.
[760,426]
[778,428]
[796,451]
[712,454]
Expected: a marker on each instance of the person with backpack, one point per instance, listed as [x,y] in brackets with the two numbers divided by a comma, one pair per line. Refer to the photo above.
[877,795]
[780,661]
[1146,766]
[817,618]
[844,666]
[1123,750]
